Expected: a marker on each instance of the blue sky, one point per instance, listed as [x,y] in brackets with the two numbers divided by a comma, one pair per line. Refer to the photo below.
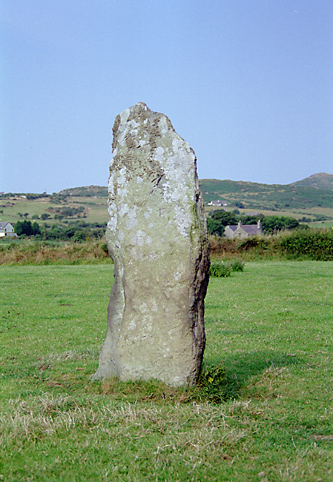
[248,83]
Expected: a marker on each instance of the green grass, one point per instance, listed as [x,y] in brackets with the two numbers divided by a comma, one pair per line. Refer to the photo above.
[269,329]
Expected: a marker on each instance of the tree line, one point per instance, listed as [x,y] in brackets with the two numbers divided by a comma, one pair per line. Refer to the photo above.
[75,232]
[216,224]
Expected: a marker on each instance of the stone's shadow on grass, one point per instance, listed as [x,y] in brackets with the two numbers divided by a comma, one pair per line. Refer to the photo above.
[241,368]
[219,380]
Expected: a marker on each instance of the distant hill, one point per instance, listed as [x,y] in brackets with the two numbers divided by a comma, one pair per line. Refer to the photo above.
[86,191]
[315,191]
[311,198]
[321,180]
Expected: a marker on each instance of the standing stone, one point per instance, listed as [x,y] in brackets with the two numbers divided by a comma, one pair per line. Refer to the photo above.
[157,239]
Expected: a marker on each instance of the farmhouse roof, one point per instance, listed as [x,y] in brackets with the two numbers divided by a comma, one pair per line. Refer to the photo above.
[3,224]
[250,229]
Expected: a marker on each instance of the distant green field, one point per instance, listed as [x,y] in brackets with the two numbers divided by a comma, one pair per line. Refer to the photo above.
[270,327]
[95,209]
[311,198]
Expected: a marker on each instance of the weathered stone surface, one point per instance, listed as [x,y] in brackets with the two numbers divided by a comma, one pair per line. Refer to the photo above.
[157,239]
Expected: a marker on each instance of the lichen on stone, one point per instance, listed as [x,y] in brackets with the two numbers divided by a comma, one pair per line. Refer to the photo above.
[158,241]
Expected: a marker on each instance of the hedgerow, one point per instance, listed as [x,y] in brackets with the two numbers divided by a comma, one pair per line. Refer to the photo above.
[313,244]
[316,244]
[309,244]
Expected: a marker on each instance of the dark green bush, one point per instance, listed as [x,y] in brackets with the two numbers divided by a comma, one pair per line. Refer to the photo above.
[220,270]
[273,224]
[104,247]
[237,265]
[22,228]
[253,242]
[218,220]
[310,244]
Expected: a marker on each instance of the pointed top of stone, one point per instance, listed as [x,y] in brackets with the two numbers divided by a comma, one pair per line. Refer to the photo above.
[142,104]
[137,108]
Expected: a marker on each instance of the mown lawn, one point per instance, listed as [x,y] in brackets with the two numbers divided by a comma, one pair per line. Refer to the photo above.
[270,327]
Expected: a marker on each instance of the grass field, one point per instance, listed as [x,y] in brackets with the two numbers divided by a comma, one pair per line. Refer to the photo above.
[270,327]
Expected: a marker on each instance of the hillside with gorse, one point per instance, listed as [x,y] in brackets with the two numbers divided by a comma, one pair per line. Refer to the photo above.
[310,200]
[313,192]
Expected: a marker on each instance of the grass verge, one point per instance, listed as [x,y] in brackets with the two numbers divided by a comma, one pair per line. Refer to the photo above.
[29,251]
[261,413]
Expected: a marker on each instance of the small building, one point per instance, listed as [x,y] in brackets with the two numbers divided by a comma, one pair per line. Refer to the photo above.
[7,229]
[217,203]
[242,231]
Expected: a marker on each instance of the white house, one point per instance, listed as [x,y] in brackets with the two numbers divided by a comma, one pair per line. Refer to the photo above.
[243,230]
[6,229]
[217,203]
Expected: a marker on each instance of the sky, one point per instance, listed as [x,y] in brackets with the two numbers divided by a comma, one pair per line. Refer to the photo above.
[247,83]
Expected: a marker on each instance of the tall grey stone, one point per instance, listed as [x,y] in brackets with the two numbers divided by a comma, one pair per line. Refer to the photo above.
[157,239]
